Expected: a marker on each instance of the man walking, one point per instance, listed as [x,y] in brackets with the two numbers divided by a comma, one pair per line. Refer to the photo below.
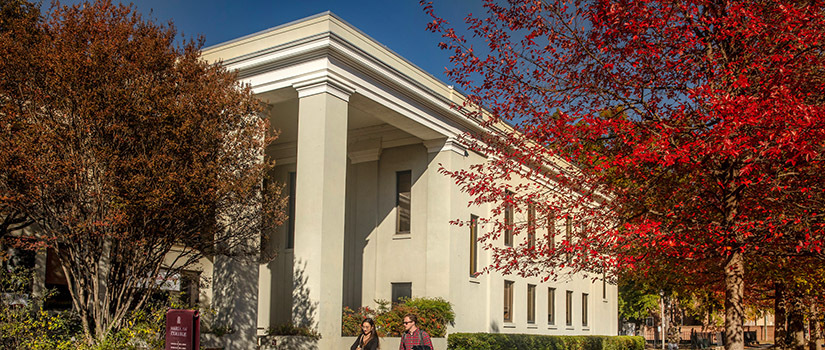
[414,338]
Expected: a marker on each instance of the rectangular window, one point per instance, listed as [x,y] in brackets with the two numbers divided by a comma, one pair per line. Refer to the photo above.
[551,305]
[551,230]
[56,280]
[584,309]
[580,237]
[401,291]
[473,245]
[189,288]
[569,308]
[508,220]
[568,235]
[531,303]
[403,190]
[290,228]
[508,301]
[531,225]
[604,286]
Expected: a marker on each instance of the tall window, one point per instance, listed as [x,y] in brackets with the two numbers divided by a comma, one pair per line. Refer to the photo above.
[401,291]
[569,308]
[551,230]
[581,234]
[290,229]
[551,305]
[508,220]
[403,189]
[508,301]
[56,280]
[531,225]
[568,235]
[473,245]
[531,303]
[604,285]
[584,309]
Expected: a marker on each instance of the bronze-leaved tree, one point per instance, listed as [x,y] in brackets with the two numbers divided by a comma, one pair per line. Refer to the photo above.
[126,149]
[681,137]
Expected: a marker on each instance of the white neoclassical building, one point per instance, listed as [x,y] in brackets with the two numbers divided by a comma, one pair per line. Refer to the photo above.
[363,133]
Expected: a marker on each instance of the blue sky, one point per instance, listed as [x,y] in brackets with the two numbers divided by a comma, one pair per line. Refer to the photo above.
[398,24]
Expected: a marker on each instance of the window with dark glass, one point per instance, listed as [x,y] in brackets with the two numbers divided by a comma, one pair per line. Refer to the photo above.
[531,303]
[568,235]
[551,231]
[508,220]
[569,308]
[473,245]
[584,309]
[604,286]
[56,281]
[401,291]
[531,225]
[508,301]
[403,189]
[290,228]
[551,305]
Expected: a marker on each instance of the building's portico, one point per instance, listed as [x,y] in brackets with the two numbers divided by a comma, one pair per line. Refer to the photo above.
[337,106]
[357,123]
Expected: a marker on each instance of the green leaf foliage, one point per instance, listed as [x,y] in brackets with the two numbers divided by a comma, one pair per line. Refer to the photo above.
[433,316]
[488,341]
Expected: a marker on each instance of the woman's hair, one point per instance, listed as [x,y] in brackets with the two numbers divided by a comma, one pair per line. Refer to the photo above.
[373,332]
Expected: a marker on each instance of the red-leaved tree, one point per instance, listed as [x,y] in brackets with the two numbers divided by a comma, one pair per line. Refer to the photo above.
[670,136]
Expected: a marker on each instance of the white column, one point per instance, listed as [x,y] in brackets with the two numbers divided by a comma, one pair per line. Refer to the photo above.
[320,206]
[443,206]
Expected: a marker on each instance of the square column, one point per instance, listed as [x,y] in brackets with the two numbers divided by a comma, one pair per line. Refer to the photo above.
[320,207]
[445,203]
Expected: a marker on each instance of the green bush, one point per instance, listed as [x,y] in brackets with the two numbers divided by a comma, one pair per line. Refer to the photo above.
[23,322]
[351,320]
[433,316]
[29,327]
[293,330]
[488,341]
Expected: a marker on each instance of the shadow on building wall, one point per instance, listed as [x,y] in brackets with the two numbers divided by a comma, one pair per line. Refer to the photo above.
[235,302]
[304,310]
[371,203]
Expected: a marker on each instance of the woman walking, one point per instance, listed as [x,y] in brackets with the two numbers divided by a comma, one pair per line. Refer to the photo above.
[368,340]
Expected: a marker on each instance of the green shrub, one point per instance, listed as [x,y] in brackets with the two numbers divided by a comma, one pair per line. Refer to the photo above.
[23,322]
[488,341]
[32,328]
[433,316]
[293,330]
[27,326]
[351,320]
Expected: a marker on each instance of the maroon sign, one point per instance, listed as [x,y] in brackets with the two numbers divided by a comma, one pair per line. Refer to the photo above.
[183,330]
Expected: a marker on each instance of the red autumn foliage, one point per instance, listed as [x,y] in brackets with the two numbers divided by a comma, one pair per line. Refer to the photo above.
[121,147]
[682,138]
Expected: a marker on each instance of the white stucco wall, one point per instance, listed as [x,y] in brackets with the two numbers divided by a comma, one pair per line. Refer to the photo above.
[397,115]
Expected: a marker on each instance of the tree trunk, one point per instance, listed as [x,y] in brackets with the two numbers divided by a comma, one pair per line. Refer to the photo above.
[734,314]
[815,326]
[796,323]
[780,330]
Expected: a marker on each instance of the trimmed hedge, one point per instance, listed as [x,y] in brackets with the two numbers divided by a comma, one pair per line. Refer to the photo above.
[497,341]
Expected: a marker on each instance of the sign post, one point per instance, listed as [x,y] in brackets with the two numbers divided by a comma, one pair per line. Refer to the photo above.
[182,330]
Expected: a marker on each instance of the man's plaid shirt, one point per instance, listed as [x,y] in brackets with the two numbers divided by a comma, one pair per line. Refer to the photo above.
[408,340]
